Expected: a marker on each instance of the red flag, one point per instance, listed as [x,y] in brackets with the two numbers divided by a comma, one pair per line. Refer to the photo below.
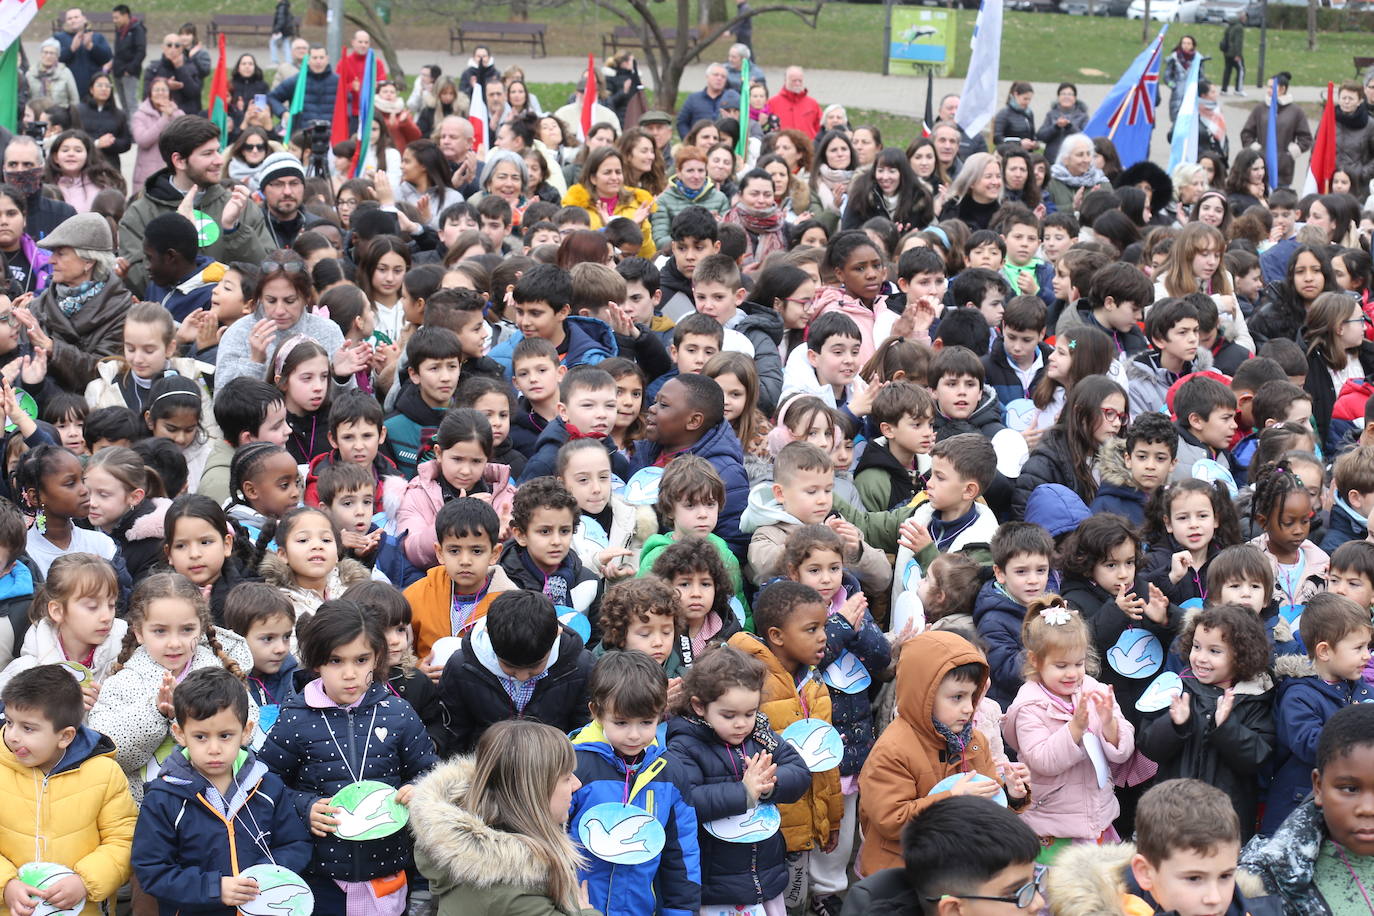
[338,131]
[588,96]
[219,95]
[1323,163]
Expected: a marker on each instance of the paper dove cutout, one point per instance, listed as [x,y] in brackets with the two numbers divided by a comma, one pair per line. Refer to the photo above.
[592,531]
[369,811]
[44,875]
[1021,414]
[621,834]
[1093,745]
[1161,692]
[642,487]
[1137,653]
[1212,471]
[948,782]
[817,742]
[281,892]
[753,826]
[847,674]
[1192,603]
[1292,613]
[444,647]
[575,621]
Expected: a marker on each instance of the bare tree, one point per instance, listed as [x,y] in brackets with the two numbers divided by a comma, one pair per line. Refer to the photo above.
[1312,24]
[363,14]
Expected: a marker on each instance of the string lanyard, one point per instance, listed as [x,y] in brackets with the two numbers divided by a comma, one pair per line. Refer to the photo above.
[362,769]
[801,696]
[1202,590]
[1354,877]
[1059,701]
[265,692]
[1290,582]
[308,450]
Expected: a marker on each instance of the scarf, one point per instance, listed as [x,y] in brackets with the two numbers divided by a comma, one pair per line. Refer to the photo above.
[1015,106]
[1184,57]
[763,732]
[28,181]
[834,176]
[1091,178]
[558,584]
[688,192]
[1356,120]
[954,744]
[388,106]
[764,225]
[71,298]
[1209,112]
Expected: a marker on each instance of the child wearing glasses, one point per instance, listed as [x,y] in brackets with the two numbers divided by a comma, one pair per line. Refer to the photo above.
[1337,351]
[1068,454]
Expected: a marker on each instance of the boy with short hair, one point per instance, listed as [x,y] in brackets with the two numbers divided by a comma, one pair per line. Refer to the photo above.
[247,410]
[1246,383]
[64,792]
[536,373]
[1015,363]
[690,497]
[642,295]
[963,404]
[570,219]
[695,234]
[600,292]
[586,409]
[1227,355]
[433,358]
[347,493]
[802,493]
[463,311]
[1173,331]
[940,677]
[620,760]
[1336,632]
[889,471]
[983,289]
[1206,421]
[984,250]
[828,366]
[1351,574]
[1246,278]
[539,555]
[1021,554]
[696,338]
[458,592]
[688,417]
[496,218]
[357,431]
[1133,470]
[215,809]
[543,308]
[1288,354]
[1025,273]
[920,275]
[1116,292]
[790,620]
[107,426]
[1058,231]
[751,328]
[1183,862]
[516,662]
[953,518]
[1073,275]
[1353,476]
[266,619]
[1283,208]
[624,235]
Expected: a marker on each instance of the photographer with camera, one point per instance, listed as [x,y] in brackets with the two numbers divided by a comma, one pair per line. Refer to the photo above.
[321,85]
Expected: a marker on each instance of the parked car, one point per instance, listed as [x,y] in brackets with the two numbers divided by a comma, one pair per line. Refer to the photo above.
[1166,10]
[1099,7]
[1221,11]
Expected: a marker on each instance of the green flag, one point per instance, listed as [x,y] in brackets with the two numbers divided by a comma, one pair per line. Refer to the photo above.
[9,88]
[297,103]
[742,143]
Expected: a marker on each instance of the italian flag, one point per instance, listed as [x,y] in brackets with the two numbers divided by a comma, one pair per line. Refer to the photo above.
[219,95]
[15,16]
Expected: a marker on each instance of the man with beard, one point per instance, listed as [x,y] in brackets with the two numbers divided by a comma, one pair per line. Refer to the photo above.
[232,229]
[282,180]
[23,168]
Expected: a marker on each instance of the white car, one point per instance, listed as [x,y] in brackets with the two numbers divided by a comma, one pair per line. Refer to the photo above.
[1166,10]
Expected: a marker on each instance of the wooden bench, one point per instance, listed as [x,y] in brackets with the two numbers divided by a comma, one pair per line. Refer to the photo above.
[101,22]
[239,25]
[629,38]
[492,33]
[1362,64]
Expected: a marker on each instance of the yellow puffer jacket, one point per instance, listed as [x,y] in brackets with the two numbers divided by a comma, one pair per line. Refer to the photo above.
[82,813]
[579,196]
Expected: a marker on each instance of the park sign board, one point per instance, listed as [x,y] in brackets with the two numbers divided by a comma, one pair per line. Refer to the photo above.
[920,39]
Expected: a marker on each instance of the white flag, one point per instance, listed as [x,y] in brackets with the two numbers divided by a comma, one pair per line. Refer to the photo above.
[1184,145]
[979,101]
[15,16]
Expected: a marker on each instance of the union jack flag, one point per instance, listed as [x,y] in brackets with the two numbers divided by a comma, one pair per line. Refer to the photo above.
[1127,114]
[1139,105]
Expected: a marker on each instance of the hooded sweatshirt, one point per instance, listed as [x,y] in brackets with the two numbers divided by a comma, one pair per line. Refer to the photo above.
[911,756]
[769,524]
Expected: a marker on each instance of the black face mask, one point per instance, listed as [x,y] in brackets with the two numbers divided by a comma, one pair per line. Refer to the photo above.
[28,181]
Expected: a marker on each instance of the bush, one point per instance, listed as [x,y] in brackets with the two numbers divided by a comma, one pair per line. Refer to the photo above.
[1350,19]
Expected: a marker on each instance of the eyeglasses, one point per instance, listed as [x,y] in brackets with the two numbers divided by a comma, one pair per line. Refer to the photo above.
[1112,415]
[1362,319]
[254,147]
[10,319]
[290,267]
[1023,898]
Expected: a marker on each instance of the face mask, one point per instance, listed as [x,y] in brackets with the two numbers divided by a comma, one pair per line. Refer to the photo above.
[28,181]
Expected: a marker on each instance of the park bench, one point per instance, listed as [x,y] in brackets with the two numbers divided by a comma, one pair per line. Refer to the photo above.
[1362,64]
[239,25]
[491,33]
[629,38]
[101,22]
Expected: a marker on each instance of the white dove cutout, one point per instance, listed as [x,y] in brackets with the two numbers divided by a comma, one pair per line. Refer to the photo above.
[44,875]
[818,743]
[1021,414]
[621,834]
[642,487]
[753,826]
[847,674]
[281,892]
[575,620]
[948,782]
[1137,653]
[369,811]
[1161,692]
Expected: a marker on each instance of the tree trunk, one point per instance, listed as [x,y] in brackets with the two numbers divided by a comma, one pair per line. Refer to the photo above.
[716,11]
[372,23]
[1145,23]
[1311,25]
[519,9]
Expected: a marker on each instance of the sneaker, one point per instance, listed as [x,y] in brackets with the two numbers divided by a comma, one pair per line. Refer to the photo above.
[827,905]
[1239,92]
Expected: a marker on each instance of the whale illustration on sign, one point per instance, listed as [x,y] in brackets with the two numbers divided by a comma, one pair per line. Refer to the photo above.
[369,810]
[817,742]
[948,782]
[1161,692]
[281,892]
[753,826]
[847,674]
[621,834]
[1137,653]
[44,875]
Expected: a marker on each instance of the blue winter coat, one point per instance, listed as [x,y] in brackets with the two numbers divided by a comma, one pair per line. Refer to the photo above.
[84,64]
[998,373]
[998,620]
[1343,525]
[734,873]
[302,751]
[589,340]
[543,461]
[182,303]
[1127,502]
[852,713]
[1304,704]
[669,883]
[184,844]
[320,90]
[720,446]
[698,107]
[274,689]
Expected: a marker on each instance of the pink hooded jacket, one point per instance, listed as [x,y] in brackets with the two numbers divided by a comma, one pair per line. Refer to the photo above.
[1065,799]
[423,497]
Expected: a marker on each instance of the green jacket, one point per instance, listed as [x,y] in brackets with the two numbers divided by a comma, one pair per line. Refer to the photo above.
[879,529]
[1233,42]
[658,543]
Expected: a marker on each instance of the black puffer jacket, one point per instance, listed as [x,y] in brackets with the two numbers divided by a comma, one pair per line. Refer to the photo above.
[1277,316]
[1011,124]
[1323,391]
[99,120]
[1049,463]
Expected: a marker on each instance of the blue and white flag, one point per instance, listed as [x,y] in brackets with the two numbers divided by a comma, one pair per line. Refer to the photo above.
[1127,114]
[979,100]
[1271,137]
[1184,144]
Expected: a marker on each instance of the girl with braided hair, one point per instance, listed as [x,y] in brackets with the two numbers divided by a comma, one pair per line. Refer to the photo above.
[1282,510]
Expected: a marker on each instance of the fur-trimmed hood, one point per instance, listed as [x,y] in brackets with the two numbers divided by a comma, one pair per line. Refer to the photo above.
[150,524]
[275,571]
[1111,462]
[455,848]
[1091,881]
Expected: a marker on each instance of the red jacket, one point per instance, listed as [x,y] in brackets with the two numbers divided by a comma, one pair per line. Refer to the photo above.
[796,111]
[351,68]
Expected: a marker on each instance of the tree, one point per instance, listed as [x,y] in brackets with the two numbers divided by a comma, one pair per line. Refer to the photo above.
[368,17]
[1312,25]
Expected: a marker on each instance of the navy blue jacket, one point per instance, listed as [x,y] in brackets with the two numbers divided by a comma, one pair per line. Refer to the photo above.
[852,713]
[274,689]
[85,63]
[720,446]
[320,90]
[1127,502]
[182,304]
[1302,708]
[735,873]
[998,620]
[698,107]
[525,427]
[587,341]
[1342,526]
[543,460]
[182,844]
[998,373]
[302,751]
